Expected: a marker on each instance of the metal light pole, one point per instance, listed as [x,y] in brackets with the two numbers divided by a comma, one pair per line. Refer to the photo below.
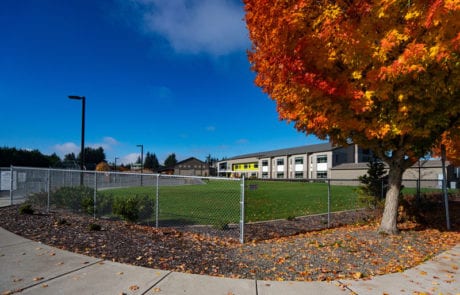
[82,148]
[115,168]
[142,159]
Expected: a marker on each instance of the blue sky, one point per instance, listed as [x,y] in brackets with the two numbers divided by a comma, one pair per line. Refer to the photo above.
[171,75]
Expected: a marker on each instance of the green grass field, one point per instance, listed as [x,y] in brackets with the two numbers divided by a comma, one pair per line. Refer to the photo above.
[217,202]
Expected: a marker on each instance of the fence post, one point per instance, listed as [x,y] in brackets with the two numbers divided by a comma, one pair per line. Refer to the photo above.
[95,195]
[444,184]
[328,203]
[242,211]
[49,189]
[157,200]
[11,185]
[417,198]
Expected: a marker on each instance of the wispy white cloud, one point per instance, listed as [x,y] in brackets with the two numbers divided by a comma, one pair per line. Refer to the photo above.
[66,148]
[129,158]
[214,27]
[61,150]
[107,143]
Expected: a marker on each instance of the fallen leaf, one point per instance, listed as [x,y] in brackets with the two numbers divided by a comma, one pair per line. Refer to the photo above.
[357,275]
[133,287]
[156,290]
[38,278]
[44,285]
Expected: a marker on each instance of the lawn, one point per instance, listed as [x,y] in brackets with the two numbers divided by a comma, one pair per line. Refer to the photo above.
[281,200]
[217,202]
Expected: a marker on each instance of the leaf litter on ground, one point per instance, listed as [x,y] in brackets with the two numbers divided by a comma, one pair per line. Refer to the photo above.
[350,251]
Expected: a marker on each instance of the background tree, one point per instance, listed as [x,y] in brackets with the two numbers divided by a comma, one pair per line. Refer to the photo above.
[151,162]
[55,161]
[28,158]
[70,161]
[211,161]
[171,160]
[92,157]
[380,74]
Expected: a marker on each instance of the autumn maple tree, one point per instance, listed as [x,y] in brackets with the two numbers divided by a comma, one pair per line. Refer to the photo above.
[383,74]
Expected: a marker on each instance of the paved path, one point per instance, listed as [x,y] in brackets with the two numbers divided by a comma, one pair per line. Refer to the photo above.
[28,267]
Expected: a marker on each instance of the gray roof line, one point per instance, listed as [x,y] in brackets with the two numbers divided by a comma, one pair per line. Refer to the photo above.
[321,147]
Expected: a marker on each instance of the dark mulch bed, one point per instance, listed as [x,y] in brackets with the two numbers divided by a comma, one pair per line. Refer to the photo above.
[348,251]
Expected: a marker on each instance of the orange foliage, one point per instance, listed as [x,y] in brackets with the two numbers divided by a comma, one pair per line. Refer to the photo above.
[384,74]
[102,166]
[451,140]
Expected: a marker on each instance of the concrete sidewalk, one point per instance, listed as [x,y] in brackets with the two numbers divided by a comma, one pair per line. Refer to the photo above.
[29,267]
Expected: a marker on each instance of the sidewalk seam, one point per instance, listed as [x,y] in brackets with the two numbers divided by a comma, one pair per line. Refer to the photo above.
[346,287]
[58,276]
[157,282]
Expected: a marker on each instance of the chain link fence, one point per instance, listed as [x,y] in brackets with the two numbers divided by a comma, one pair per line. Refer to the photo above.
[251,209]
[200,204]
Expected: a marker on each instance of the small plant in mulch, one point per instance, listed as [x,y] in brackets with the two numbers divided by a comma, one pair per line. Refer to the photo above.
[94,227]
[26,209]
[221,225]
[291,218]
[62,221]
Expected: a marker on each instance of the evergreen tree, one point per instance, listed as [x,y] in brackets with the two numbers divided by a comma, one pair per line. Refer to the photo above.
[151,162]
[92,157]
[171,160]
[374,183]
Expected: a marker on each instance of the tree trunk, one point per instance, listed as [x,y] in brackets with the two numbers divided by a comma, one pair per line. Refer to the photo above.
[388,224]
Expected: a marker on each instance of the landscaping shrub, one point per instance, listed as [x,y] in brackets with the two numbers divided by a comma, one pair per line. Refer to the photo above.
[26,208]
[133,208]
[76,198]
[428,209]
[38,199]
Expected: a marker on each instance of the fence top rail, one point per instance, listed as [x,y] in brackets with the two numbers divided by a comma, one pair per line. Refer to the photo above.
[116,173]
[199,177]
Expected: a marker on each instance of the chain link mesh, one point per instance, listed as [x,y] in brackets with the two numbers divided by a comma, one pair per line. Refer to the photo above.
[235,208]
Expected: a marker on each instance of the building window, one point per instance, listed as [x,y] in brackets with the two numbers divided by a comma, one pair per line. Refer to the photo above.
[264,174]
[299,175]
[280,162]
[265,163]
[280,175]
[223,166]
[321,159]
[321,174]
[299,160]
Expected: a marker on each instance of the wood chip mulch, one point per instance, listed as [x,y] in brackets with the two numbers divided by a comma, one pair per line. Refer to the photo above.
[349,251]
